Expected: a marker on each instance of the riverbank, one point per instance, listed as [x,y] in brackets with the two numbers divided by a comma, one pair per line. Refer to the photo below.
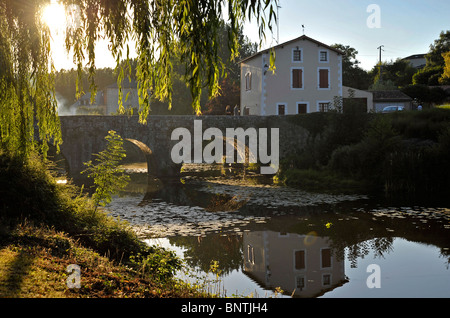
[395,154]
[46,226]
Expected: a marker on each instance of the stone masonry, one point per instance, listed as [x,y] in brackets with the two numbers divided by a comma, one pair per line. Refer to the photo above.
[85,135]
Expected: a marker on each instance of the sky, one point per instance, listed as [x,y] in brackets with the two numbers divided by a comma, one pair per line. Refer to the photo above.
[406,27]
[403,27]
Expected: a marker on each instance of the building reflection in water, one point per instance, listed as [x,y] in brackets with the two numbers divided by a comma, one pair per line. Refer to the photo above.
[301,265]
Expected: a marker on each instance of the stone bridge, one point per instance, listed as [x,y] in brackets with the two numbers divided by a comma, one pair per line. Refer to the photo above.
[84,136]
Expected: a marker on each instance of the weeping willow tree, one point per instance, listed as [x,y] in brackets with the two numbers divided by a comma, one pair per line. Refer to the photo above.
[27,96]
[158,29]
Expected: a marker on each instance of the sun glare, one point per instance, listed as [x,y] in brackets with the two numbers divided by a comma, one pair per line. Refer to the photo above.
[54,15]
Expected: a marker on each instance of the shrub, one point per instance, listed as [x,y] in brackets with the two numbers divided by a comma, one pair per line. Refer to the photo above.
[28,191]
[108,178]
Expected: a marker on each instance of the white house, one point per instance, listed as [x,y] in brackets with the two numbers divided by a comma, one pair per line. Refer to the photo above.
[307,78]
[130,98]
[417,60]
[107,99]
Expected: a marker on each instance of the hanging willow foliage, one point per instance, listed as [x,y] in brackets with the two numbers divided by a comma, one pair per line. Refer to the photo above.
[27,96]
[158,28]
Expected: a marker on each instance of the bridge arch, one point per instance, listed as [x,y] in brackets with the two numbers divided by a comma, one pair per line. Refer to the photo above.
[147,153]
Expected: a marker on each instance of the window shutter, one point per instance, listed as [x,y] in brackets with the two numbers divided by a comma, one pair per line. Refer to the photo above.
[323,79]
[326,258]
[300,260]
[297,78]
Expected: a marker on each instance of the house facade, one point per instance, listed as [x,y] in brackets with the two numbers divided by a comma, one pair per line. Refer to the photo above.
[308,77]
[304,265]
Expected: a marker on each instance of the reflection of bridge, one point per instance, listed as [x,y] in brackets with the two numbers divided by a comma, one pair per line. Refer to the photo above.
[304,265]
[85,135]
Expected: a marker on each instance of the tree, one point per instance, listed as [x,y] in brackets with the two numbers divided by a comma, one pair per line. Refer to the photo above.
[383,85]
[108,178]
[395,74]
[228,82]
[439,47]
[399,72]
[229,94]
[425,94]
[229,85]
[445,78]
[27,93]
[157,27]
[352,75]
[429,75]
[432,74]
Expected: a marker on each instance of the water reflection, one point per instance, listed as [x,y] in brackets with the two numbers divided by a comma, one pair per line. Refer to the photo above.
[302,265]
[309,245]
[304,257]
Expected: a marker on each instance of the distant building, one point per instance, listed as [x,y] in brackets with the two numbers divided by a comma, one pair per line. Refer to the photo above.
[362,99]
[130,96]
[107,100]
[84,106]
[417,60]
[382,99]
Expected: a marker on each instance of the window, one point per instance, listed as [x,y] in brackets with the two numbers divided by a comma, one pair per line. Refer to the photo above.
[281,109]
[326,257]
[248,81]
[297,78]
[302,108]
[300,260]
[324,107]
[326,279]
[300,282]
[324,76]
[323,56]
[297,55]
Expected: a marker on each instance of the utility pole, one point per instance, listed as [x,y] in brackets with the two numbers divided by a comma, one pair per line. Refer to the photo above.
[381,73]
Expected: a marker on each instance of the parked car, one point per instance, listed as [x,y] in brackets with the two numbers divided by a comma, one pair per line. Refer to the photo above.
[390,109]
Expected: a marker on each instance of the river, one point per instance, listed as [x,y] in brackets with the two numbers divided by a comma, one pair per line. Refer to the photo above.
[271,241]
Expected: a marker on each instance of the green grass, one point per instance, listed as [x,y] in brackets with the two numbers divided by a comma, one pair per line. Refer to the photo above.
[34,262]
[319,181]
